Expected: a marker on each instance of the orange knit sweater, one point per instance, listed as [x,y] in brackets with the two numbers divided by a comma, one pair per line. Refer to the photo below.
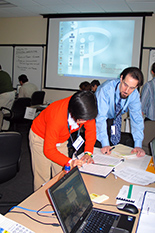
[52,125]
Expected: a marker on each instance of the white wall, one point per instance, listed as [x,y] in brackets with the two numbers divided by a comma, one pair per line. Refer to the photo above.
[32,30]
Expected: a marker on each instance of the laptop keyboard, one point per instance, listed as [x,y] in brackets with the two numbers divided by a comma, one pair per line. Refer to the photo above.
[99,222]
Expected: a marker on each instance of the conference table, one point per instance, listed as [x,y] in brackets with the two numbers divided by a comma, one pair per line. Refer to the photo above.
[39,200]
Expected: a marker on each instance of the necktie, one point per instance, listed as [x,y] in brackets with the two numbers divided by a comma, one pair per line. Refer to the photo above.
[115,138]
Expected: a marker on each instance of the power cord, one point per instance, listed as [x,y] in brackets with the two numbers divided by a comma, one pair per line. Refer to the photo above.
[47,212]
[36,211]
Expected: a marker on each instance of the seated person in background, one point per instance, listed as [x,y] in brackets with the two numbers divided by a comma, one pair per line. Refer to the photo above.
[27,88]
[114,98]
[85,86]
[7,94]
[148,97]
[94,85]
[55,125]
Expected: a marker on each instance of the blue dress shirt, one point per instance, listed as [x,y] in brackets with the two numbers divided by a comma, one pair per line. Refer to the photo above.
[105,95]
[148,99]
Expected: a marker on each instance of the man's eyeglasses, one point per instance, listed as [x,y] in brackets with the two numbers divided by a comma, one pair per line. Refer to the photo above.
[127,86]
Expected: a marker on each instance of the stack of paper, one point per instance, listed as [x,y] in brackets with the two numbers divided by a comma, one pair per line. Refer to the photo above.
[135,175]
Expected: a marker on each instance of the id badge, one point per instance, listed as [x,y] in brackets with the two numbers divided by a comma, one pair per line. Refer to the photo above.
[113,129]
[78,143]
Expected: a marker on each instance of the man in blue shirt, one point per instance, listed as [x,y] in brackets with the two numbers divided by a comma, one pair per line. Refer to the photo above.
[108,95]
[148,97]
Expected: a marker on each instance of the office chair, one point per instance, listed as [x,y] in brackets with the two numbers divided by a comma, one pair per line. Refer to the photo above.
[37,97]
[16,114]
[149,132]
[10,150]
[1,119]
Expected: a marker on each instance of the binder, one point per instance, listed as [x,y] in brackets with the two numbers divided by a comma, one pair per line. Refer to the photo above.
[136,196]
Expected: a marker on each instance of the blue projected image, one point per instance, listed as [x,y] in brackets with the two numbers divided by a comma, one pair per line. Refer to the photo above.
[95,48]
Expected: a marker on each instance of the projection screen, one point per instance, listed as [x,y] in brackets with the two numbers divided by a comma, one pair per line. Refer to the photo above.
[80,49]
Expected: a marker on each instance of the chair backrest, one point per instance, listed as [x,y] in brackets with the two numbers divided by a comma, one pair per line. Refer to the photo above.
[1,119]
[149,133]
[19,107]
[37,97]
[10,150]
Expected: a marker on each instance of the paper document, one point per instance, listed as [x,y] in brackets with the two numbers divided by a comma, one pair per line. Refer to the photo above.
[135,176]
[147,217]
[9,226]
[30,113]
[137,195]
[123,152]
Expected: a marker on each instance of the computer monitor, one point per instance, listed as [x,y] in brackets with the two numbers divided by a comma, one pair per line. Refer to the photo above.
[17,88]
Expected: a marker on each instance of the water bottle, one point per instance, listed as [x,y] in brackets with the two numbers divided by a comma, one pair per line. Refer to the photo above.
[66,169]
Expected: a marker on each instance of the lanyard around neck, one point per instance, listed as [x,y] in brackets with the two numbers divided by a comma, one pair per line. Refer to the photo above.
[115,103]
[70,131]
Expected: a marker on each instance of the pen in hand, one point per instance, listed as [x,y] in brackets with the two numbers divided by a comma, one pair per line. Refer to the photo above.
[75,154]
[111,149]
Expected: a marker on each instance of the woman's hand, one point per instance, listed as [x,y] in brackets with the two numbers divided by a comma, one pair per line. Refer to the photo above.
[76,162]
[87,159]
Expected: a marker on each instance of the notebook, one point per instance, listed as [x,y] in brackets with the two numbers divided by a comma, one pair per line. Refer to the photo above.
[75,212]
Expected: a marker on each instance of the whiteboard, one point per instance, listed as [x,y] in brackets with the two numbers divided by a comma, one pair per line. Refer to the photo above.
[6,58]
[151,61]
[28,61]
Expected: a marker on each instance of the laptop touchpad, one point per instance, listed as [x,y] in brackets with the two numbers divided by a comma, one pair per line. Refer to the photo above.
[118,230]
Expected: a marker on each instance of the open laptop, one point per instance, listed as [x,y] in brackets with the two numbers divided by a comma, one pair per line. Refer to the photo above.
[18,87]
[152,146]
[75,212]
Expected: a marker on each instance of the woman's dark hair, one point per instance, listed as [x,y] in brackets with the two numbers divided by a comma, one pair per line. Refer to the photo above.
[135,73]
[83,105]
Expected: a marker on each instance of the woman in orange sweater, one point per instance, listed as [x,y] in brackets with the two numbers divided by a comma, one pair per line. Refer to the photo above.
[55,125]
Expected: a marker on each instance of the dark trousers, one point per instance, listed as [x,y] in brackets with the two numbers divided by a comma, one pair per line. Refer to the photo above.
[147,119]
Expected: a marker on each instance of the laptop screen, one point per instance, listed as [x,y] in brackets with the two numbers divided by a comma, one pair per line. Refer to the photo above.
[70,200]
[152,145]
[18,87]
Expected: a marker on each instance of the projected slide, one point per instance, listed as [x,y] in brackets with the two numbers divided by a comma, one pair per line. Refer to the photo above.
[86,48]
[95,48]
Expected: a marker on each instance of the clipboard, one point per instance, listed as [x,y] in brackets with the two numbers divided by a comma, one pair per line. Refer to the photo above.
[150,167]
